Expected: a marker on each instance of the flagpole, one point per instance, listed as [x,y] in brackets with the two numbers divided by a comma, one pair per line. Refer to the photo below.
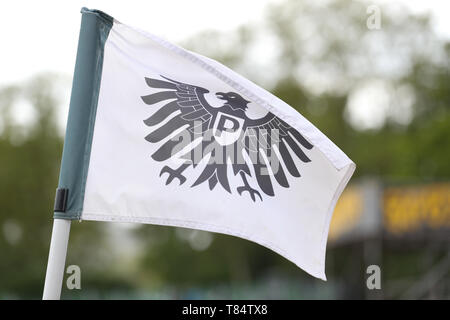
[56,259]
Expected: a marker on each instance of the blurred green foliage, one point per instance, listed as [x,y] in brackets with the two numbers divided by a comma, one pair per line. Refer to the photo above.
[320,55]
[29,165]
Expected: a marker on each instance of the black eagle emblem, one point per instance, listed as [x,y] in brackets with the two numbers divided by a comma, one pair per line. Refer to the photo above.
[226,134]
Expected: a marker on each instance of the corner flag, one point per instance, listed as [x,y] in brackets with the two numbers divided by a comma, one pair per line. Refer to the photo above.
[161,135]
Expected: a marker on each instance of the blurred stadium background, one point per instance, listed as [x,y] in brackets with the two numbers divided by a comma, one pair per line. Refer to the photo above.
[383,96]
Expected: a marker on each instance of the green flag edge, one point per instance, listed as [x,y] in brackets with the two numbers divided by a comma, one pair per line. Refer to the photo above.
[95,28]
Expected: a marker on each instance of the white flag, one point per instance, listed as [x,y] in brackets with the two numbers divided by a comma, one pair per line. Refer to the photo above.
[161,135]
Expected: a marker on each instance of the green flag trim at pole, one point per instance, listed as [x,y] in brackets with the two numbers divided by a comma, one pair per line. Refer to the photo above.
[95,27]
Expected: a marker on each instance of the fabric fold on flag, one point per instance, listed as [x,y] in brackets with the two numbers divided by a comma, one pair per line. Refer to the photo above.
[161,135]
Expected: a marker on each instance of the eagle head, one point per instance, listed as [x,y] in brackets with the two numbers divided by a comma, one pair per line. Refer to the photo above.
[234,100]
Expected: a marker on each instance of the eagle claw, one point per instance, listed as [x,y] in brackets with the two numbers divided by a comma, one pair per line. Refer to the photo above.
[173,173]
[250,190]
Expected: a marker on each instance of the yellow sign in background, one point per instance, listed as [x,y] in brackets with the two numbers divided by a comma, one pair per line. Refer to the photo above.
[403,209]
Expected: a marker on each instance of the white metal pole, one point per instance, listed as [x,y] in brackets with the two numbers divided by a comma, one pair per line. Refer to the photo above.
[56,259]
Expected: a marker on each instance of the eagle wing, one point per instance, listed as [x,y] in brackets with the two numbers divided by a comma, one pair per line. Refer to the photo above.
[260,137]
[193,111]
